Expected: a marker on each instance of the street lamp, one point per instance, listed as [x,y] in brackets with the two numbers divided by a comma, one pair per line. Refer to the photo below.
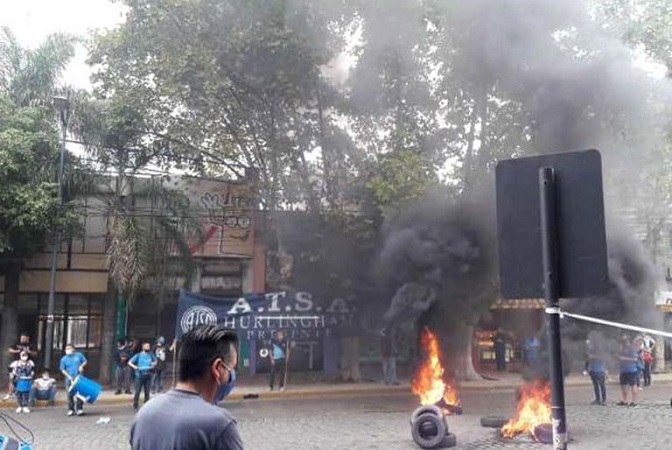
[62,105]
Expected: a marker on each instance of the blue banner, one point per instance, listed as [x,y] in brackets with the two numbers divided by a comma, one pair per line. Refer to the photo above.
[256,316]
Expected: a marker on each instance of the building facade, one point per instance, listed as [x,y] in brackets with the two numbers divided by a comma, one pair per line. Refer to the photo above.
[228,256]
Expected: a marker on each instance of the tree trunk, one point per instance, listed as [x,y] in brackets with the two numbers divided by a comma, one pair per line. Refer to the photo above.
[659,357]
[10,314]
[350,359]
[469,371]
[467,167]
[107,345]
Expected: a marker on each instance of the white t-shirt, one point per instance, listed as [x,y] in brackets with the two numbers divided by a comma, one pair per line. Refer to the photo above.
[27,366]
[42,384]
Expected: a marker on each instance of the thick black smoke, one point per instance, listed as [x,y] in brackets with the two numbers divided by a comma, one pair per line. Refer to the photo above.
[576,82]
[630,299]
[438,260]
[579,90]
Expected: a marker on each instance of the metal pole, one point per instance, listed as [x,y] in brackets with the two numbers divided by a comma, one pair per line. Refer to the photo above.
[49,343]
[549,244]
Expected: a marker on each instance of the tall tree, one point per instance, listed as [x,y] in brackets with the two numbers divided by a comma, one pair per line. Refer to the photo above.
[30,208]
[150,224]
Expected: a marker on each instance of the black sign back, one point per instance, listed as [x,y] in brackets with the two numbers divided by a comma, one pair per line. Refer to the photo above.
[580,218]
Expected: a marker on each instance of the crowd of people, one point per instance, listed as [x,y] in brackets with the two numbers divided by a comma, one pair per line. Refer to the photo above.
[142,366]
[186,416]
[634,361]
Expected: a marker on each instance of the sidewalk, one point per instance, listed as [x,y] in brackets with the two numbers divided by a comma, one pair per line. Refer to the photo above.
[255,389]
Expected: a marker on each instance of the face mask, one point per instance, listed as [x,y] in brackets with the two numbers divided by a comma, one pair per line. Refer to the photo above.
[224,389]
[69,351]
[24,358]
[45,377]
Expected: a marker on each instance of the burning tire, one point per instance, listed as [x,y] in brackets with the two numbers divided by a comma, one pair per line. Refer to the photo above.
[429,431]
[493,421]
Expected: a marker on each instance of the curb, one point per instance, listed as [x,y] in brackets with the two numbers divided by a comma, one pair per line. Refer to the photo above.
[309,393]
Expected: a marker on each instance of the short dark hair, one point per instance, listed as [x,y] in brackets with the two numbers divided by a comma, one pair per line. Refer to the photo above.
[69,344]
[200,346]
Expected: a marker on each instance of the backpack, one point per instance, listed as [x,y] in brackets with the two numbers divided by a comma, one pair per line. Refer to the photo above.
[647,357]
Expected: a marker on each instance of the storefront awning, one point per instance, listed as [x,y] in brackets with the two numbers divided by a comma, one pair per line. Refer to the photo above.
[518,303]
[664,301]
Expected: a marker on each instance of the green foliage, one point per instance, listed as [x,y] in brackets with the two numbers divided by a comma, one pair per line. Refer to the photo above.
[29,205]
[229,85]
[28,76]
[150,223]
[646,24]
[400,178]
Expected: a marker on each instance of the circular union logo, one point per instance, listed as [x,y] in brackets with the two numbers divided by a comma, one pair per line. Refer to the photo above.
[197,315]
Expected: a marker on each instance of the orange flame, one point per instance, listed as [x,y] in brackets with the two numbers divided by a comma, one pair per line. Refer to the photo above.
[534,408]
[428,382]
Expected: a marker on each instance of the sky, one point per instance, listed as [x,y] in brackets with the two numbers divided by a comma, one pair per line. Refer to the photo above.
[32,20]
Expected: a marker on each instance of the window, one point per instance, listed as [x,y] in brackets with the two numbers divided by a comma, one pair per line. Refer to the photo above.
[81,331]
[78,320]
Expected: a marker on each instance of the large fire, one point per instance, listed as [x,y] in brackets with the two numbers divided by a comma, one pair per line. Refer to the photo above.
[428,382]
[534,408]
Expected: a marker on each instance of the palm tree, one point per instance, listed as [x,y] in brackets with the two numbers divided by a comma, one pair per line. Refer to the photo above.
[28,80]
[30,76]
[149,223]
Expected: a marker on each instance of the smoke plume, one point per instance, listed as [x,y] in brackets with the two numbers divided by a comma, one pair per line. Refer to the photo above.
[579,89]
[438,256]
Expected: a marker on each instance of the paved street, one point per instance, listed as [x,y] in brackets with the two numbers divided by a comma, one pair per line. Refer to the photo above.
[373,422]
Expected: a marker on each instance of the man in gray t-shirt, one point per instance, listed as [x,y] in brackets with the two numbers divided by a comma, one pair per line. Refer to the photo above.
[186,418]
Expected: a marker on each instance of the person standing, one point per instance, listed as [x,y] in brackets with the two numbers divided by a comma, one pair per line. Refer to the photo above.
[531,349]
[278,355]
[143,363]
[389,352]
[122,373]
[628,376]
[160,354]
[15,350]
[647,346]
[499,343]
[187,417]
[72,365]
[597,369]
[24,370]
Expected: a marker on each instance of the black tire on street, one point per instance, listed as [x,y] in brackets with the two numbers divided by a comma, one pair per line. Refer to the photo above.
[449,440]
[429,409]
[428,431]
[493,421]
[544,433]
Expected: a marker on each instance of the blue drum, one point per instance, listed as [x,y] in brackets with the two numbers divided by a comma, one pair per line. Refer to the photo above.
[85,389]
[23,384]
[7,442]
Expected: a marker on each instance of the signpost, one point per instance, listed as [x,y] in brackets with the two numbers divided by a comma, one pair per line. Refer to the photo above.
[550,221]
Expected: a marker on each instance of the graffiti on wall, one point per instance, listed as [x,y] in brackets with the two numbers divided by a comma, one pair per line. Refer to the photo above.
[226,211]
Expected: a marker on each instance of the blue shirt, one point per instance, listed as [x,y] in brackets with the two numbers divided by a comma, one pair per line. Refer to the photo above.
[629,366]
[531,345]
[143,360]
[278,352]
[597,365]
[71,363]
